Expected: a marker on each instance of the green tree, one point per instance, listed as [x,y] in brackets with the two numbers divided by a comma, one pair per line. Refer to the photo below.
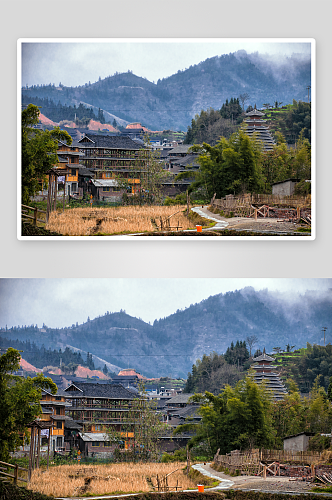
[276,164]
[151,177]
[329,390]
[38,151]
[20,401]
[144,423]
[231,166]
[212,373]
[239,417]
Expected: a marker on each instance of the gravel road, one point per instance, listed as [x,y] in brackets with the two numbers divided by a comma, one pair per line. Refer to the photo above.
[277,484]
[261,224]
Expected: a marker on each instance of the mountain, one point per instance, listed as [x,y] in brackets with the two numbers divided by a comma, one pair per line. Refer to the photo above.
[171,345]
[172,102]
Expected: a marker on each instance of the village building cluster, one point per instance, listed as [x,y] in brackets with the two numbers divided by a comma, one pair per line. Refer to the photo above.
[106,166]
[79,417]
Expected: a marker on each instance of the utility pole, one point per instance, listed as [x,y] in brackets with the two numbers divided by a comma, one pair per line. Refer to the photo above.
[324,328]
[308,88]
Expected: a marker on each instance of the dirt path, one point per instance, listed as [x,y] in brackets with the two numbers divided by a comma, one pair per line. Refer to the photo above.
[272,484]
[248,223]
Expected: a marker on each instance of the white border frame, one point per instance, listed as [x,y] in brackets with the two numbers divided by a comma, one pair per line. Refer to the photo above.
[312,41]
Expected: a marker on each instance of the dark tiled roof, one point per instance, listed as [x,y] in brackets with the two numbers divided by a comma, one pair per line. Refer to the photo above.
[72,424]
[187,160]
[255,112]
[95,390]
[187,412]
[180,399]
[85,172]
[60,417]
[263,357]
[105,141]
[182,148]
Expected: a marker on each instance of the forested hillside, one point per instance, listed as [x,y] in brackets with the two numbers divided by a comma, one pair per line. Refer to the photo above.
[41,357]
[300,368]
[288,120]
[80,114]
[172,102]
[171,345]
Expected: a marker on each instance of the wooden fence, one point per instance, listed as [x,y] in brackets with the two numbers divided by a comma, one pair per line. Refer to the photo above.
[253,462]
[15,476]
[30,214]
[244,206]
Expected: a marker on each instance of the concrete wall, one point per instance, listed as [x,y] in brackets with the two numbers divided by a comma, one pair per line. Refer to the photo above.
[297,443]
[284,188]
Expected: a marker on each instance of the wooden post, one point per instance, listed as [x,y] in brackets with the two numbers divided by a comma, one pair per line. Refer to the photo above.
[313,473]
[38,448]
[48,198]
[16,474]
[264,472]
[64,194]
[255,213]
[31,452]
[188,460]
[35,213]
[48,446]
[55,191]
[34,450]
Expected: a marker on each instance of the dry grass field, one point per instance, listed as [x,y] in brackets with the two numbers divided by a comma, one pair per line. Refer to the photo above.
[132,219]
[75,480]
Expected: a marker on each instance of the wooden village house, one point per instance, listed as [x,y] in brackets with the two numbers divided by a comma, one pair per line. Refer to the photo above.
[97,408]
[118,164]
[53,410]
[68,166]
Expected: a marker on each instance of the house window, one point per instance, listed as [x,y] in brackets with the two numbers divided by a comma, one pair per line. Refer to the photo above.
[105,188]
[59,424]
[107,443]
[73,171]
[96,443]
[58,411]
[58,398]
[58,442]
[97,427]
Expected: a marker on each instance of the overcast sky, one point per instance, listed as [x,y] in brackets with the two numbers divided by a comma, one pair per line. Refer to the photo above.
[62,302]
[73,62]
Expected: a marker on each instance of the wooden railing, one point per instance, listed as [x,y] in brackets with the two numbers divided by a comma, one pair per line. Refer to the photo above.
[252,462]
[27,217]
[245,205]
[4,475]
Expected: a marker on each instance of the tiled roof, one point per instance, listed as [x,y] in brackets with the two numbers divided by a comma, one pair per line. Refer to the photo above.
[255,112]
[187,160]
[95,390]
[263,357]
[188,411]
[72,424]
[182,148]
[94,436]
[104,182]
[180,399]
[85,172]
[105,141]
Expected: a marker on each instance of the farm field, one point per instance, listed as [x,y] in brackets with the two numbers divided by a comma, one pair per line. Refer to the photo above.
[75,480]
[115,220]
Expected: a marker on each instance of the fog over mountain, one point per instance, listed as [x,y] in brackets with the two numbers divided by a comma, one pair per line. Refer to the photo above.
[172,102]
[172,344]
